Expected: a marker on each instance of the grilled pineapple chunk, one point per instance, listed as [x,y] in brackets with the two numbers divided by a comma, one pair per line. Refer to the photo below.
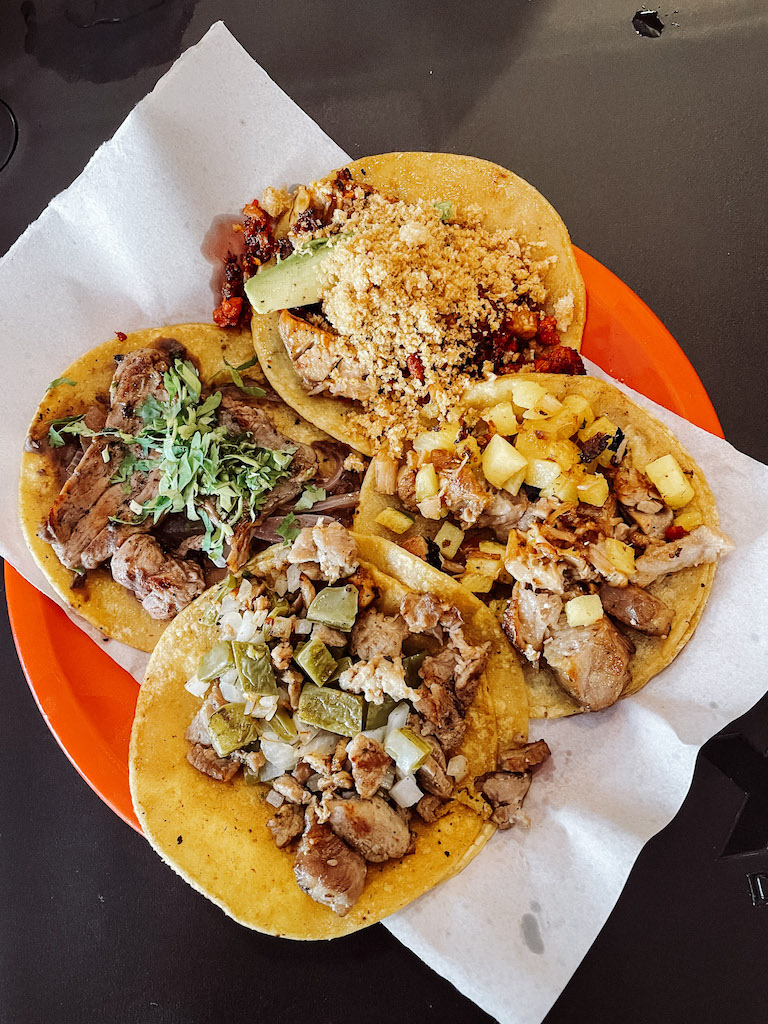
[581,408]
[501,462]
[397,522]
[526,393]
[688,520]
[593,490]
[448,539]
[477,565]
[541,473]
[670,481]
[584,611]
[502,418]
[622,556]
[564,488]
[560,426]
[428,440]
[530,445]
[477,584]
[546,406]
[491,547]
[427,484]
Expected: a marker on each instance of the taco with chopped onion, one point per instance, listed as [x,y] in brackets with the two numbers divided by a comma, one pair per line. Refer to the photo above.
[382,291]
[578,518]
[158,459]
[316,743]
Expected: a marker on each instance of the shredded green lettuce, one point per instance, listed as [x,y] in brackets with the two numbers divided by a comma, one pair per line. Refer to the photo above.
[59,381]
[311,495]
[288,529]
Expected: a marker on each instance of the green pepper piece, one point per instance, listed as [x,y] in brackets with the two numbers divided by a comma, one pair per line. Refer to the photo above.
[412,664]
[215,662]
[407,750]
[254,666]
[341,666]
[317,661]
[283,725]
[280,608]
[336,607]
[333,710]
[231,728]
[376,715]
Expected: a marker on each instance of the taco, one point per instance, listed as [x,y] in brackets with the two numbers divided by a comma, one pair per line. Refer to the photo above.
[398,279]
[155,458]
[575,515]
[308,743]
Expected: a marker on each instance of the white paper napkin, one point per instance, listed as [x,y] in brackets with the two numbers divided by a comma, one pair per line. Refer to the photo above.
[119,250]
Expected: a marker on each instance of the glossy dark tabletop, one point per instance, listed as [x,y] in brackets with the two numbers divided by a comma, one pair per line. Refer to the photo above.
[654,151]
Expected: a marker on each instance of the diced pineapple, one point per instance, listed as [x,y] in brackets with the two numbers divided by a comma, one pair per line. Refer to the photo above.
[427,484]
[564,453]
[490,547]
[541,473]
[561,425]
[580,407]
[689,520]
[593,490]
[564,488]
[502,418]
[526,393]
[471,448]
[448,539]
[546,406]
[397,522]
[477,584]
[428,440]
[515,482]
[670,481]
[529,444]
[501,461]
[584,611]
[431,508]
[602,425]
[477,565]
[620,555]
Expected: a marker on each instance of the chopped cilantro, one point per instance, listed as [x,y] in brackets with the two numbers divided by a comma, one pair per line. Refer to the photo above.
[59,381]
[445,209]
[150,410]
[237,380]
[288,530]
[311,496]
[73,425]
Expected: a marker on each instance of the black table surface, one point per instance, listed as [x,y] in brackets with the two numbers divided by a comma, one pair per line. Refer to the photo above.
[654,151]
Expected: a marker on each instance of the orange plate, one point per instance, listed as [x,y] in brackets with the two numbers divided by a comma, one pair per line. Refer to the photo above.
[88,701]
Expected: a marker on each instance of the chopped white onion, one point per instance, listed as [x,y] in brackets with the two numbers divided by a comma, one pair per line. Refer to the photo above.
[303,627]
[323,743]
[231,623]
[230,676]
[379,735]
[244,591]
[247,628]
[281,755]
[270,771]
[228,604]
[196,687]
[406,793]
[457,767]
[398,717]
[231,692]
[275,798]
[293,578]
[281,585]
[249,706]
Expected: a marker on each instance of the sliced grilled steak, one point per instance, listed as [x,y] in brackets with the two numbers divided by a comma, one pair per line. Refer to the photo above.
[164,584]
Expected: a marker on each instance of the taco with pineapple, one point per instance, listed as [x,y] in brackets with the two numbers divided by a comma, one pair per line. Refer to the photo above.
[380,292]
[316,743]
[160,458]
[573,513]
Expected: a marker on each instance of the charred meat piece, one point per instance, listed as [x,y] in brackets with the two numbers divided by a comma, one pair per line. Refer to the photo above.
[521,759]
[328,870]
[371,765]
[442,717]
[561,360]
[331,546]
[143,487]
[637,608]
[367,590]
[291,790]
[286,823]
[503,513]
[406,488]
[590,662]
[207,761]
[376,633]
[371,827]
[702,545]
[461,491]
[433,778]
[505,792]
[162,583]
[528,617]
[430,808]
[315,353]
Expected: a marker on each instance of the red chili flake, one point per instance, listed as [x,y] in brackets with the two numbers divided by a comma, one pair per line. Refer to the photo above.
[675,533]
[228,313]
[548,332]
[415,367]
[121,336]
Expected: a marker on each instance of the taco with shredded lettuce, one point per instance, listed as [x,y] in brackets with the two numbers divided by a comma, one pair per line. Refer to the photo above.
[575,515]
[382,291]
[316,740]
[158,459]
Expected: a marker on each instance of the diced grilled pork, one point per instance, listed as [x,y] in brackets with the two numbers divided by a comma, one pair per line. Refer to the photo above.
[637,608]
[207,761]
[286,823]
[702,545]
[528,617]
[441,715]
[505,792]
[371,827]
[371,765]
[461,491]
[289,788]
[142,487]
[590,662]
[432,777]
[430,808]
[328,870]
[139,376]
[425,613]
[377,677]
[376,633]
[329,544]
[531,559]
[503,513]
[520,759]
[642,501]
[164,584]
[367,590]
[406,487]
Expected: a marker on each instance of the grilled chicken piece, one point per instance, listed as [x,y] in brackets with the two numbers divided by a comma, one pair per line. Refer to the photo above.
[433,778]
[637,608]
[461,491]
[531,559]
[503,513]
[425,613]
[207,761]
[590,662]
[528,617]
[520,759]
[331,546]
[316,353]
[536,512]
[505,792]
[291,790]
[164,584]
[371,765]
[286,823]
[376,633]
[371,827]
[328,870]
[702,545]
[377,677]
